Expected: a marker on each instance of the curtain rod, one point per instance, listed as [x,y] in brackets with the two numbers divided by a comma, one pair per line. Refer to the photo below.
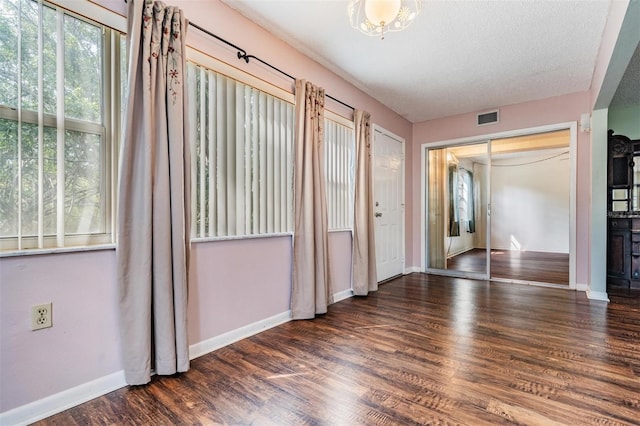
[242,54]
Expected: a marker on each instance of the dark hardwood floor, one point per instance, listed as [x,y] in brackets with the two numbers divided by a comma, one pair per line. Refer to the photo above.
[515,265]
[422,350]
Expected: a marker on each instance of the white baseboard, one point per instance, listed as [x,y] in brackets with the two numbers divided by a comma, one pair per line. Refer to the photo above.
[202,348]
[69,398]
[341,295]
[582,287]
[411,269]
[598,295]
[42,408]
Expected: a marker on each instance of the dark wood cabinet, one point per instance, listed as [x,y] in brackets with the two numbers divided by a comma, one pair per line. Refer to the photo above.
[623,200]
[618,253]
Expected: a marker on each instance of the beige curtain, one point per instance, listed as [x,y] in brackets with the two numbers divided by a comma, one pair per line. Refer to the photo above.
[436,194]
[153,209]
[364,245]
[311,291]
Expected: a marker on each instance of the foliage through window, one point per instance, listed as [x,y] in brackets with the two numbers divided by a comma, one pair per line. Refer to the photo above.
[56,126]
[242,157]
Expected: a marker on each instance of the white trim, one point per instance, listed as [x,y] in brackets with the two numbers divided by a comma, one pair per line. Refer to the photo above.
[411,269]
[582,287]
[53,404]
[573,143]
[598,295]
[240,237]
[206,346]
[530,283]
[342,295]
[57,250]
[330,115]
[423,206]
[573,215]
[96,12]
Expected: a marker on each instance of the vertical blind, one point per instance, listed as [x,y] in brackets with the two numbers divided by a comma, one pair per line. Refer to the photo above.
[241,142]
[339,169]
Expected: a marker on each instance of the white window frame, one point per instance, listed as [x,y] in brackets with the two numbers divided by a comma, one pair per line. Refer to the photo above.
[274,214]
[113,27]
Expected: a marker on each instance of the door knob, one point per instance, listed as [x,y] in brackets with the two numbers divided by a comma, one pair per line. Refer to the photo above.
[378,214]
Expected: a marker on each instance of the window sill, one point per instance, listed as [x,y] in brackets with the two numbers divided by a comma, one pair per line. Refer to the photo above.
[240,237]
[56,250]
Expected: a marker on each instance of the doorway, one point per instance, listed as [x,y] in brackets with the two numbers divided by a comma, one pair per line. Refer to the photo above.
[502,208]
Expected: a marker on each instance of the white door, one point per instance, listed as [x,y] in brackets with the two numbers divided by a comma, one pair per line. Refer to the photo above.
[388,195]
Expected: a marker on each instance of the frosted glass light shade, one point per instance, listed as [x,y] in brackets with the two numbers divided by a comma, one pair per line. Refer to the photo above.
[380,12]
[377,17]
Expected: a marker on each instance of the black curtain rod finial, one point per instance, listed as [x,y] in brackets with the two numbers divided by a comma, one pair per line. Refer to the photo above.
[243,55]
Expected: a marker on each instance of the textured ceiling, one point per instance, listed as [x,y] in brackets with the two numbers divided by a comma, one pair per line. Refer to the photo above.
[457,57]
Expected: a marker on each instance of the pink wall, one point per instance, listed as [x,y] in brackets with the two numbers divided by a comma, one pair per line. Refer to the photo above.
[514,117]
[84,342]
[340,260]
[237,282]
[232,284]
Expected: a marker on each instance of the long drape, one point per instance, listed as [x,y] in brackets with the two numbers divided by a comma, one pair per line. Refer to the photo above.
[364,248]
[437,208]
[471,202]
[454,221]
[154,192]
[311,287]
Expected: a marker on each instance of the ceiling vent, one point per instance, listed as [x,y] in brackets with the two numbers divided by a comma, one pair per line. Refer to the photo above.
[489,117]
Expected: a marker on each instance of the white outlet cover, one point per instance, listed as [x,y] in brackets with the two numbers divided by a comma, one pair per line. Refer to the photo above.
[41,316]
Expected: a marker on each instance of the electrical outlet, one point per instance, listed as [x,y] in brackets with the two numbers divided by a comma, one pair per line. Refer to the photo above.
[41,316]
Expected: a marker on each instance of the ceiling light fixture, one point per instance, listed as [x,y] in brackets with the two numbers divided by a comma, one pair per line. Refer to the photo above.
[377,17]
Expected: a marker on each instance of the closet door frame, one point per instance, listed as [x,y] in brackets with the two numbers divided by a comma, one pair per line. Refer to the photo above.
[424,147]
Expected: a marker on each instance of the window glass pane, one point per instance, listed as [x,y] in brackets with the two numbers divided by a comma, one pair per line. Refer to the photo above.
[124,86]
[620,206]
[619,194]
[82,70]
[49,66]
[50,181]
[8,178]
[9,53]
[29,55]
[39,190]
[83,187]
[29,185]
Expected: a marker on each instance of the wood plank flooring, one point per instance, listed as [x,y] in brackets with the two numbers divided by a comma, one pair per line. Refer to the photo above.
[515,265]
[422,350]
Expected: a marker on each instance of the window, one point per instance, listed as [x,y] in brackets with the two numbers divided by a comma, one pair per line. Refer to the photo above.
[339,146]
[466,211]
[57,126]
[242,157]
